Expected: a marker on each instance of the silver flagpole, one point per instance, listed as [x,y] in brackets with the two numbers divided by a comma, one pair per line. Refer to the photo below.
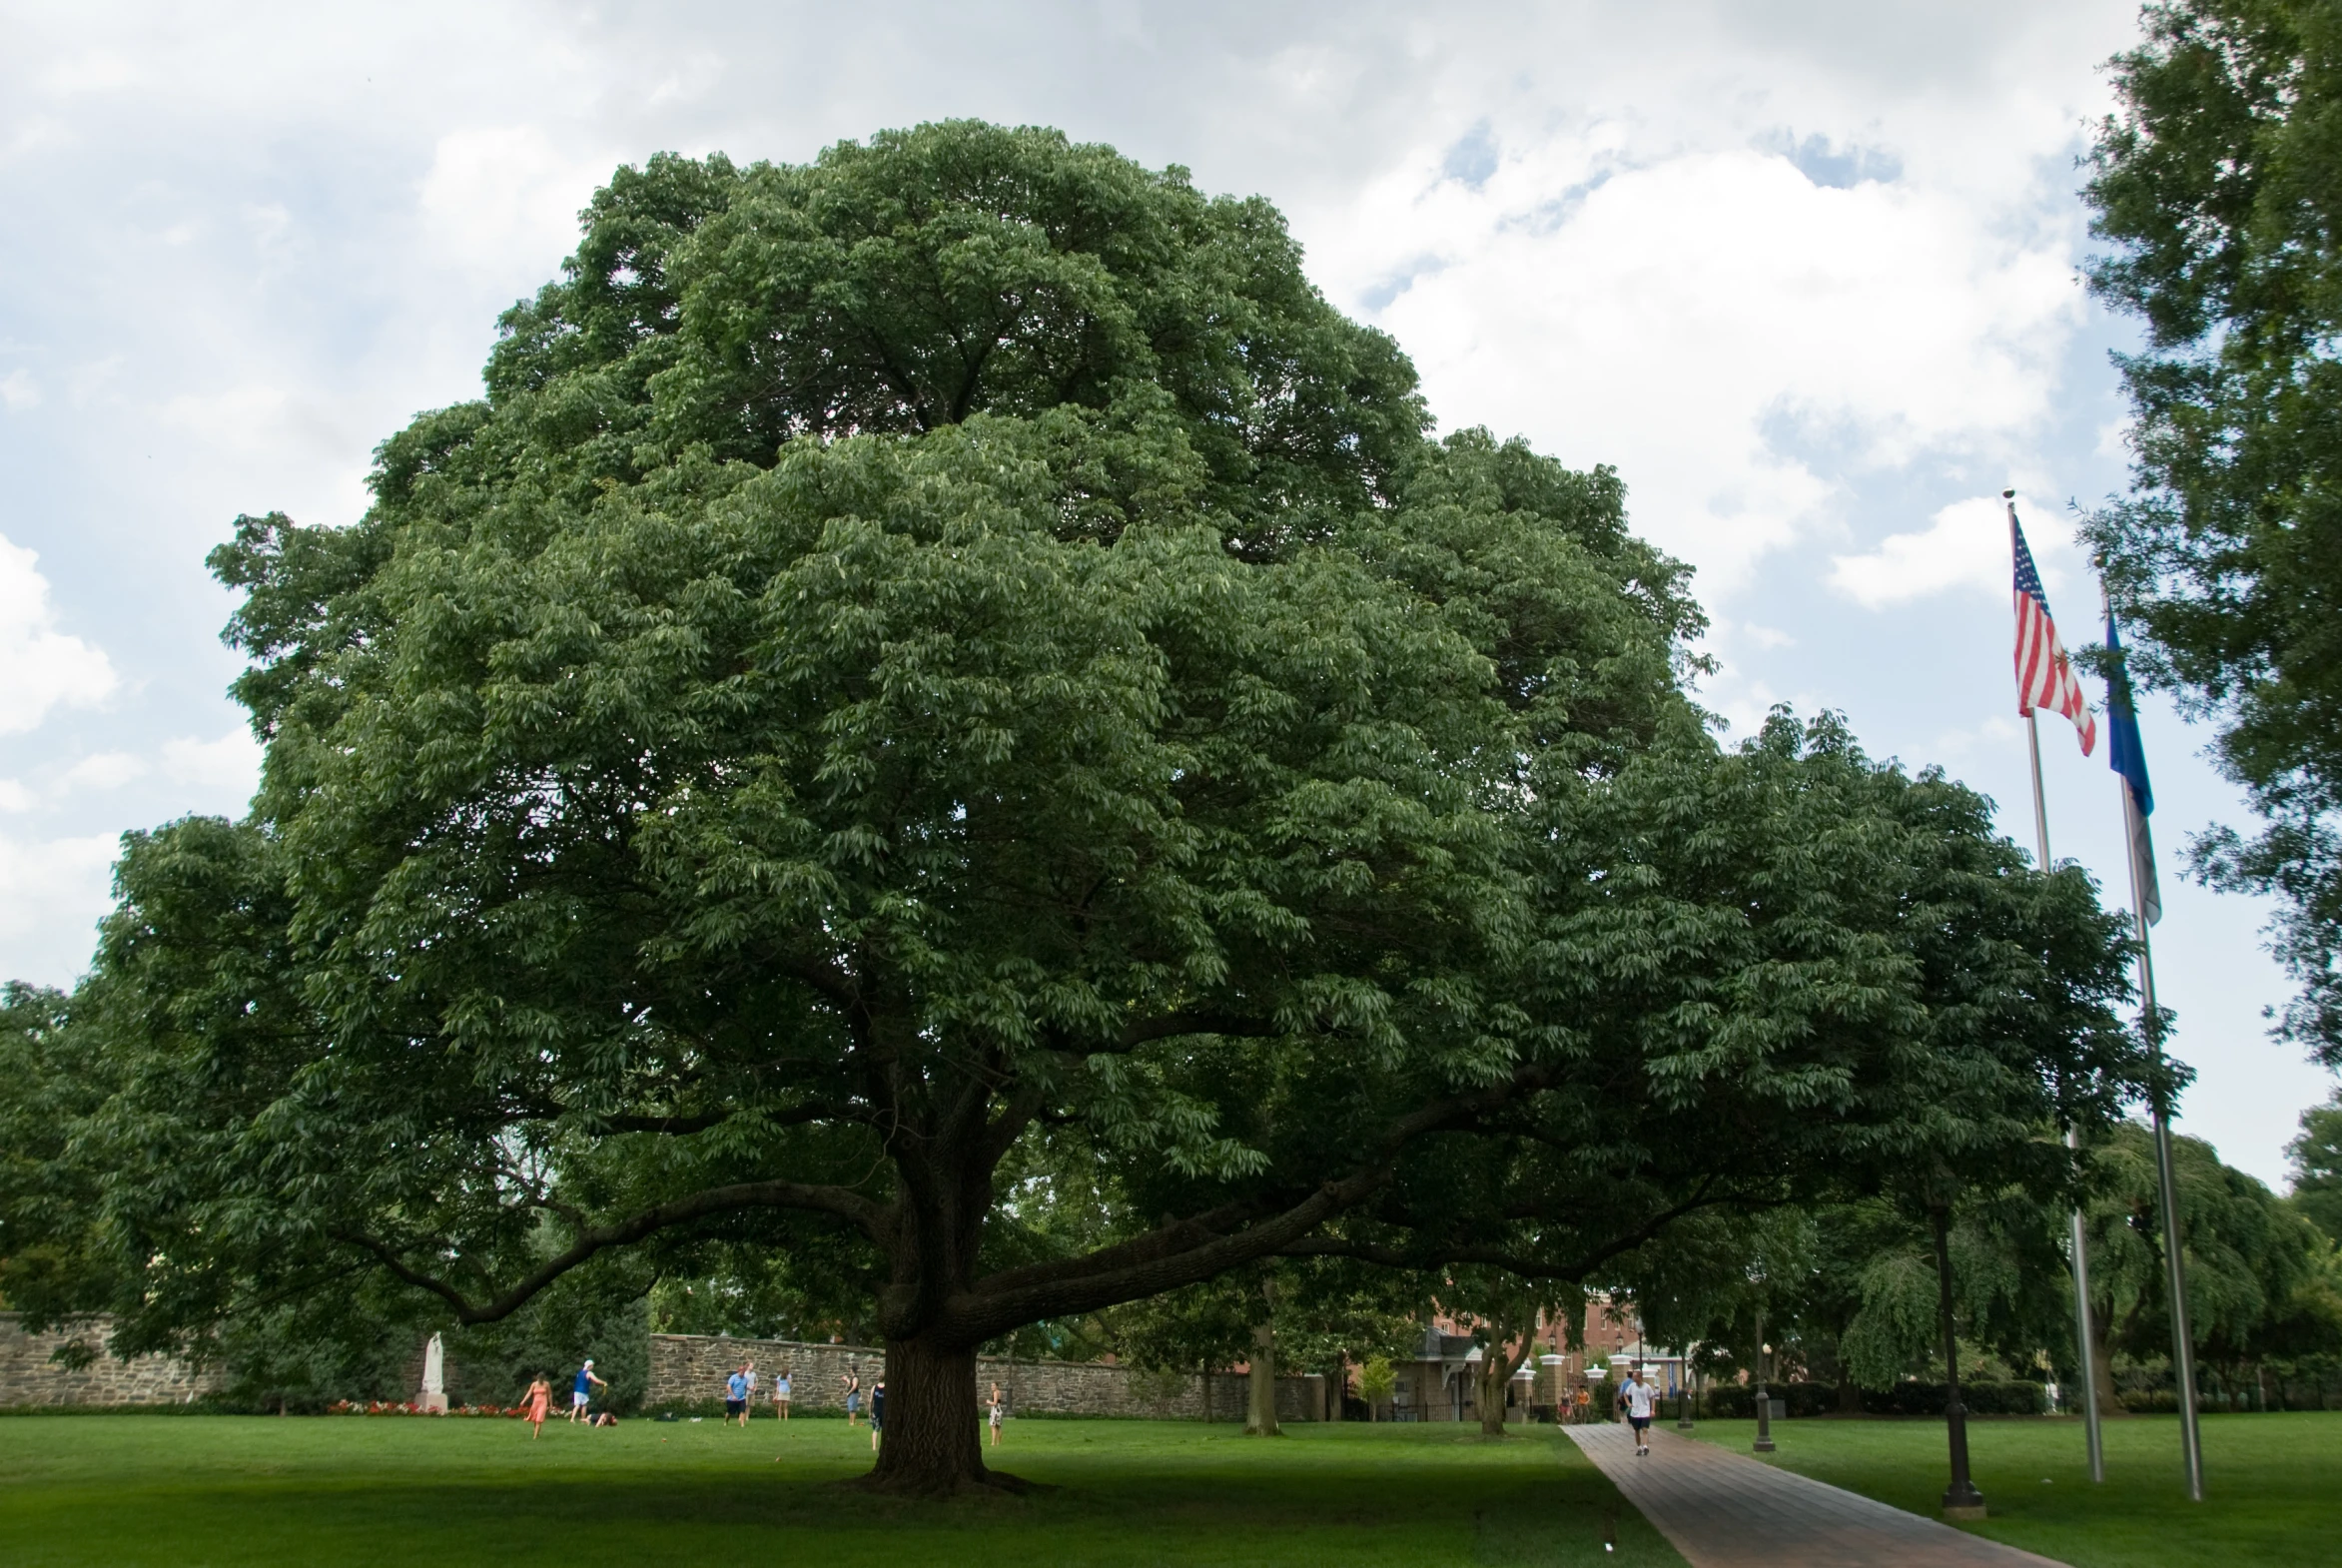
[2191,1448]
[2079,1244]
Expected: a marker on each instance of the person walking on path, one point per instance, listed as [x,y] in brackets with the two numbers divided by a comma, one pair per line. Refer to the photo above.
[878,1411]
[736,1396]
[581,1391]
[853,1397]
[539,1397]
[999,1409]
[781,1394]
[1637,1410]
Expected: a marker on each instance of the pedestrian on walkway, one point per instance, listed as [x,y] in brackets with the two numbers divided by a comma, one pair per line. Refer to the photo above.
[1638,1410]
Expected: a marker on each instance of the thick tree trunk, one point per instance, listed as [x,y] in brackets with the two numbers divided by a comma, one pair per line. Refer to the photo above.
[1494,1375]
[1261,1417]
[931,1444]
[1849,1395]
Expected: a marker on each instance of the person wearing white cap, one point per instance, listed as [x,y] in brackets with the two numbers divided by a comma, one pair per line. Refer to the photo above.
[581,1391]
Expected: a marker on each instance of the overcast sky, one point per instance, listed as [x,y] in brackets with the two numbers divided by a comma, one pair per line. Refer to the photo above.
[1806,273]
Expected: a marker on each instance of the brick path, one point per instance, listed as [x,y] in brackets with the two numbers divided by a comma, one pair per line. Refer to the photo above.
[1721,1510]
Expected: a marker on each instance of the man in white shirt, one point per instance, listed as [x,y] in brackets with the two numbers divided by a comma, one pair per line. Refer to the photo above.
[1637,1410]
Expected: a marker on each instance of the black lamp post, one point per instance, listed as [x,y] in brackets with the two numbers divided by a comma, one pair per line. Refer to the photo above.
[1961,1500]
[1763,1444]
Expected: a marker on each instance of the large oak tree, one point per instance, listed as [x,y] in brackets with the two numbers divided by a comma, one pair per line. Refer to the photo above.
[950,671]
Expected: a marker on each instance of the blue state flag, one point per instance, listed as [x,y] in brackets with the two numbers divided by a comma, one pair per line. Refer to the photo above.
[2125,756]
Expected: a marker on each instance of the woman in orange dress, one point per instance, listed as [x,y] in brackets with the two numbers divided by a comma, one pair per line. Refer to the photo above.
[541,1393]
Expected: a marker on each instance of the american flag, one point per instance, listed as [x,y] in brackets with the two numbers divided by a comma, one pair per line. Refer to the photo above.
[2044,675]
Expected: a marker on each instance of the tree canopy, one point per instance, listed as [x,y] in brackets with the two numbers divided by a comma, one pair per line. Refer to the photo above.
[944,718]
[2317,1167]
[2219,186]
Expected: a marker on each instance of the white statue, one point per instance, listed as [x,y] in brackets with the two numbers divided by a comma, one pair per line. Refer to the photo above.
[434,1376]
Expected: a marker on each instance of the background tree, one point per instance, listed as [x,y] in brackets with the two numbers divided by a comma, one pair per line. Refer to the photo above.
[2219,186]
[55,1260]
[1377,1379]
[2249,1257]
[1502,1313]
[949,672]
[2317,1167]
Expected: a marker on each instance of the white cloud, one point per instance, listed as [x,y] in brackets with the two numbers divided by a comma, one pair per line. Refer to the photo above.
[247,417]
[1966,545]
[15,797]
[40,668]
[504,198]
[101,770]
[19,392]
[232,762]
[1710,320]
[52,891]
[98,71]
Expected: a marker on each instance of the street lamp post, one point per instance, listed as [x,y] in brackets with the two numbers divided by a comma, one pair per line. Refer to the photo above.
[1763,1443]
[1961,1500]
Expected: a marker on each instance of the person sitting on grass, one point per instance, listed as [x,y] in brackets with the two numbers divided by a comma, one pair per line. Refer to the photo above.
[540,1394]
[581,1391]
[878,1411]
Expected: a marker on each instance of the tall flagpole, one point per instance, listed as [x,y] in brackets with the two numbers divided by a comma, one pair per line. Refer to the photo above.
[2079,1238]
[2191,1448]
[2086,1341]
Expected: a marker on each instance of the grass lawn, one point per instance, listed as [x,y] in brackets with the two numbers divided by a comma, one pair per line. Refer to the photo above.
[121,1490]
[2272,1483]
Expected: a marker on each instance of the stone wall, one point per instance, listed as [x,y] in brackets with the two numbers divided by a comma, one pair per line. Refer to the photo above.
[693,1367]
[29,1377]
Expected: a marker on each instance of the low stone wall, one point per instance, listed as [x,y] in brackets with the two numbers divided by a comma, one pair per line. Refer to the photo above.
[29,1377]
[694,1366]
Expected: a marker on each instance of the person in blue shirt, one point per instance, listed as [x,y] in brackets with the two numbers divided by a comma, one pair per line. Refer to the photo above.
[736,1396]
[581,1391]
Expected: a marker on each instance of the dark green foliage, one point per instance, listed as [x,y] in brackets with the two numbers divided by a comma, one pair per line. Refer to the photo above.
[2220,185]
[54,1259]
[2260,1278]
[2317,1167]
[942,754]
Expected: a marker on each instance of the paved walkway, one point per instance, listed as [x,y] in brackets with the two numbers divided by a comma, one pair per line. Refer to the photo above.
[1724,1510]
